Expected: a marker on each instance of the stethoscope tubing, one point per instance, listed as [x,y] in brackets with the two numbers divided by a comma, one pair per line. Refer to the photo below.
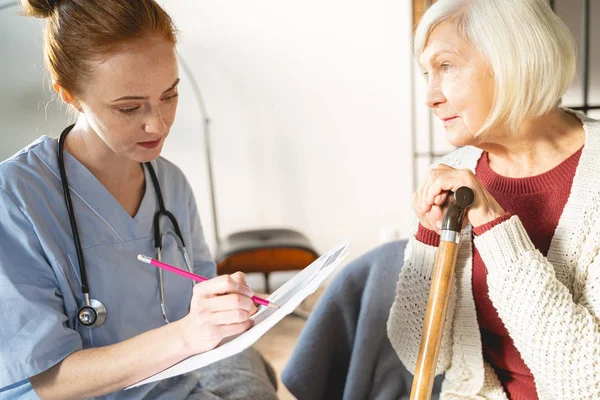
[92,313]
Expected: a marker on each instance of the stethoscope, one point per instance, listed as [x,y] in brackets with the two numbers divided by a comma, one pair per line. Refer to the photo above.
[91,312]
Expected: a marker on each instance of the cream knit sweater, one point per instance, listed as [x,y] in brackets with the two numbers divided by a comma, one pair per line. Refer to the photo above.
[549,305]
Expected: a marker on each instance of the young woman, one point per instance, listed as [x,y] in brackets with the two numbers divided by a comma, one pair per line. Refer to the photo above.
[81,316]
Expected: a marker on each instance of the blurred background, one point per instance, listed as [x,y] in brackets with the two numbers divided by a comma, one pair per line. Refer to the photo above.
[317,115]
[309,105]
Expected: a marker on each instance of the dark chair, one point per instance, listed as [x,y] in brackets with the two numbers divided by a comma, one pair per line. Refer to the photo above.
[264,251]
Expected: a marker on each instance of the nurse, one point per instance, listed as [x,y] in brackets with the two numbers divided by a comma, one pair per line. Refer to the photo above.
[114,63]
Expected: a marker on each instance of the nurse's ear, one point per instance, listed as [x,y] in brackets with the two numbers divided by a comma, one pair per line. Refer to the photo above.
[66,97]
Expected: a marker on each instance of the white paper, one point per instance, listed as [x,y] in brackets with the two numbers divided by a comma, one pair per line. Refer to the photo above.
[287,297]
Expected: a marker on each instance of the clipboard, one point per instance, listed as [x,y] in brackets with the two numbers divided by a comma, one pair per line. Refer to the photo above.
[288,297]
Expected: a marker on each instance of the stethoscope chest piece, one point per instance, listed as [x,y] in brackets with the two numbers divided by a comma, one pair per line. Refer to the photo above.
[92,315]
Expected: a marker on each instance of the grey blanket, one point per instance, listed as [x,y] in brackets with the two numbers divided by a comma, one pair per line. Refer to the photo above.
[343,351]
[244,376]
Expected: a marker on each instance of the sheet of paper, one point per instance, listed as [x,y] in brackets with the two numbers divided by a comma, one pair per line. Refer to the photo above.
[287,297]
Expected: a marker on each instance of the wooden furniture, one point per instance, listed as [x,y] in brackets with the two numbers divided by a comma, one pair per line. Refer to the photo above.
[418,9]
[264,251]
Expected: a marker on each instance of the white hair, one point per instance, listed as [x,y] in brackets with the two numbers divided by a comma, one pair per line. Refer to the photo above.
[530,50]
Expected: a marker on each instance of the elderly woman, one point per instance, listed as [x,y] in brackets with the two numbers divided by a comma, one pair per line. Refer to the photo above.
[524,318]
[524,321]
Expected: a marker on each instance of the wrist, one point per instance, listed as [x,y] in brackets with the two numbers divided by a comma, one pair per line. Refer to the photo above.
[179,342]
[427,236]
[481,229]
[486,218]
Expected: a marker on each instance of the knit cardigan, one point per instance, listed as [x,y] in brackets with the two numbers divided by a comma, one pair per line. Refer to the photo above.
[549,305]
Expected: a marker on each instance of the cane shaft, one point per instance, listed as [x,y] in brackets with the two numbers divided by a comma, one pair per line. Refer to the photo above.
[435,318]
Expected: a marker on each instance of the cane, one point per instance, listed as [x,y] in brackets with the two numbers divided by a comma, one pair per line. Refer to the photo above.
[440,294]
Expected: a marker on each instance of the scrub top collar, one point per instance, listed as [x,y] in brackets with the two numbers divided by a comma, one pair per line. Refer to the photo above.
[87,189]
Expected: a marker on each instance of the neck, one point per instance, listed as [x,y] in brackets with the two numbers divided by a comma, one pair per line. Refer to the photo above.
[112,170]
[540,145]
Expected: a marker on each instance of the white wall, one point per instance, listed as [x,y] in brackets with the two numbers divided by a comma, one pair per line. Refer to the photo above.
[26,111]
[310,103]
[310,109]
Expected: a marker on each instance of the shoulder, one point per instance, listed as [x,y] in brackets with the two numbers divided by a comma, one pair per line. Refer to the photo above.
[172,180]
[588,122]
[26,157]
[31,169]
[592,129]
[588,163]
[462,158]
[169,173]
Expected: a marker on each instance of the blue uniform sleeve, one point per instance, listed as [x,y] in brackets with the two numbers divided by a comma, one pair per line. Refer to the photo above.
[34,335]
[202,260]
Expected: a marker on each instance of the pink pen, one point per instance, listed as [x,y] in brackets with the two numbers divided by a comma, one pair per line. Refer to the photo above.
[197,278]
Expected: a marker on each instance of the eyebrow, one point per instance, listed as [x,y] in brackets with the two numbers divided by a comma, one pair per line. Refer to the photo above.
[146,97]
[439,53]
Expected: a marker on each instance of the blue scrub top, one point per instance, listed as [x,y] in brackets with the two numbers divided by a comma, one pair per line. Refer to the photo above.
[40,284]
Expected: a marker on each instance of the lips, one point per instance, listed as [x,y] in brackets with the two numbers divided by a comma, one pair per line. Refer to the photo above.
[449,120]
[150,144]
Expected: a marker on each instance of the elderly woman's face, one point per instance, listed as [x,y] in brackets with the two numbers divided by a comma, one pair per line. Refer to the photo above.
[460,83]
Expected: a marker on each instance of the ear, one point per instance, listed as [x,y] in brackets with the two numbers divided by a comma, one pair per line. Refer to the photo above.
[67,97]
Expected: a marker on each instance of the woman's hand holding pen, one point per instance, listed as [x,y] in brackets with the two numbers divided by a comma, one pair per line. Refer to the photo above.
[431,196]
[220,307]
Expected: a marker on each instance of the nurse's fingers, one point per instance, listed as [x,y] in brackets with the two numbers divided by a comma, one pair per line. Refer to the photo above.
[227,302]
[233,329]
[220,285]
[240,277]
[229,317]
[254,309]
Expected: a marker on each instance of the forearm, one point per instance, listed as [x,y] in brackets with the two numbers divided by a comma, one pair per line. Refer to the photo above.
[98,371]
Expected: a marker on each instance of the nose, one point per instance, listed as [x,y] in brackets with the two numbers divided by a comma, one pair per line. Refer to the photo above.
[155,123]
[434,96]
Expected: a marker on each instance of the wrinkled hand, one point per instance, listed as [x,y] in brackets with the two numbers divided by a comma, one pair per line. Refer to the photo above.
[220,307]
[432,194]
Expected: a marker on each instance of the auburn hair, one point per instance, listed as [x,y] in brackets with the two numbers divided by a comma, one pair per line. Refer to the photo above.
[80,31]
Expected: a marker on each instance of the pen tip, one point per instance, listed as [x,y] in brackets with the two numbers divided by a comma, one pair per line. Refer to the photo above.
[273,305]
[144,258]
